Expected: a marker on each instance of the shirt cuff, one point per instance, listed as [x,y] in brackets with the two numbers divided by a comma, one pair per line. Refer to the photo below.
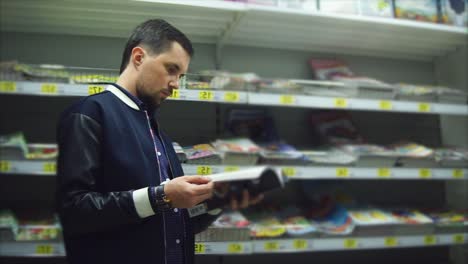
[142,202]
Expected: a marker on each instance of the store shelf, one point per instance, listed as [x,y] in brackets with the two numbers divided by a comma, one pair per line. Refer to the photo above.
[351,173]
[281,100]
[227,23]
[293,172]
[265,246]
[32,248]
[351,243]
[288,100]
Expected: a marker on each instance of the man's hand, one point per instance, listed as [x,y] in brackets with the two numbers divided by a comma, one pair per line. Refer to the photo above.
[222,190]
[188,191]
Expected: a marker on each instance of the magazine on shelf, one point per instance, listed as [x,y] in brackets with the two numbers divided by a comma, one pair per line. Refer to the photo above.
[256,180]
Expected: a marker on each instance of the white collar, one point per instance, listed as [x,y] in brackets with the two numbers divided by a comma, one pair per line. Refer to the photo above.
[122,96]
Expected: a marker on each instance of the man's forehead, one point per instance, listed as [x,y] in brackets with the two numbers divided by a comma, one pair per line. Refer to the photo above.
[178,55]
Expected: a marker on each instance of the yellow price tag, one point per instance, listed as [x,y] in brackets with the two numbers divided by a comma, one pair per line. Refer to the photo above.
[175,94]
[342,172]
[94,89]
[206,95]
[231,168]
[423,107]
[458,239]
[49,167]
[271,246]
[204,170]
[384,173]
[8,87]
[391,241]
[44,249]
[289,171]
[287,99]
[200,248]
[425,173]
[458,173]
[385,105]
[5,166]
[235,248]
[430,240]
[341,103]
[231,97]
[350,243]
[49,88]
[300,244]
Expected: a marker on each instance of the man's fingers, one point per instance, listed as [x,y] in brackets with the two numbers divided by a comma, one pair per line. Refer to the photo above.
[202,189]
[256,199]
[245,199]
[197,179]
[234,204]
[201,198]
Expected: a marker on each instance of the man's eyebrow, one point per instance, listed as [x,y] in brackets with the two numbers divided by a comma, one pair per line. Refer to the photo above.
[175,65]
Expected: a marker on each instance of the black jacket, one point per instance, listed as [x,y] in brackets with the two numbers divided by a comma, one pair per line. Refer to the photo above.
[105,152]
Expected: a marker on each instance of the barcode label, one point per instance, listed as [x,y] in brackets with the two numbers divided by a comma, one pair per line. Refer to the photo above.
[197,210]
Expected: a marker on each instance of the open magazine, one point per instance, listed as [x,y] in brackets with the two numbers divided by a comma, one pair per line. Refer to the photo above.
[256,180]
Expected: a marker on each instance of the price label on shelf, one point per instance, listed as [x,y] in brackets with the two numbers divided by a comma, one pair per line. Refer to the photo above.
[204,170]
[287,99]
[341,102]
[44,249]
[384,173]
[300,244]
[235,248]
[175,94]
[391,242]
[8,87]
[350,243]
[206,95]
[385,105]
[458,239]
[49,167]
[231,97]
[94,89]
[289,171]
[342,172]
[424,107]
[458,174]
[49,88]
[200,248]
[5,166]
[425,173]
[271,246]
[430,240]
[231,168]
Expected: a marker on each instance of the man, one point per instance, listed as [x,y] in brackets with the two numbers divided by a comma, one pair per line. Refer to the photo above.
[121,190]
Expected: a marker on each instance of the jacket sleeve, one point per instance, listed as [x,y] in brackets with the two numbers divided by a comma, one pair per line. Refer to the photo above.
[81,206]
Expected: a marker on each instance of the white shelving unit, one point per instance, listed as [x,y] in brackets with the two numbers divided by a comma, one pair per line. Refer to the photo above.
[225,24]
[47,249]
[292,172]
[250,98]
[221,23]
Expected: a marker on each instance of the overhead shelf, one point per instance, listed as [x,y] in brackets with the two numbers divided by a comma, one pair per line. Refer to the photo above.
[282,100]
[265,246]
[227,23]
[293,172]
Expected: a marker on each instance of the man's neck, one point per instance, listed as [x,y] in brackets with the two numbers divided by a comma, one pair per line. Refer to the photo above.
[128,82]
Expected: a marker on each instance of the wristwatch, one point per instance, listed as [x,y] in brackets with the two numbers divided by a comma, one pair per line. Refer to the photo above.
[159,201]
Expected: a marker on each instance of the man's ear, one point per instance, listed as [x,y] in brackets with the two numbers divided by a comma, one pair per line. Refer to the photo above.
[137,56]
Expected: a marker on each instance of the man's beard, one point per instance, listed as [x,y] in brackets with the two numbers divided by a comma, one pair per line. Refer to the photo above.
[149,101]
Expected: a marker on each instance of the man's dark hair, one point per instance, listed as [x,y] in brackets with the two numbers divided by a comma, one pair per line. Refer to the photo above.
[156,34]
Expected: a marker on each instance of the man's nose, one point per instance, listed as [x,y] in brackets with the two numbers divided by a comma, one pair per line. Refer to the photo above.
[174,84]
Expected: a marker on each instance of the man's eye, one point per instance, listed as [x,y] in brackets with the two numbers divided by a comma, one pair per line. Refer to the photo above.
[171,70]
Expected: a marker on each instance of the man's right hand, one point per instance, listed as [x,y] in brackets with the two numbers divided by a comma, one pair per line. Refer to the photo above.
[188,191]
